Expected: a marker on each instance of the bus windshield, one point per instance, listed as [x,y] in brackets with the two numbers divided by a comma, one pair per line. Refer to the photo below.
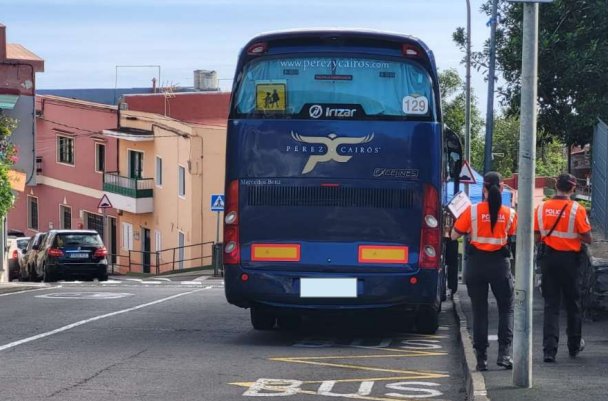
[355,87]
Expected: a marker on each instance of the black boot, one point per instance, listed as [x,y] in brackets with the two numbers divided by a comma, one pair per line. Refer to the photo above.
[481,364]
[503,358]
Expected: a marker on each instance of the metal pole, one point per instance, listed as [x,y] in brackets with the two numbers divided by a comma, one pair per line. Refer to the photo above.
[468,76]
[105,236]
[523,308]
[217,227]
[468,112]
[490,100]
[4,262]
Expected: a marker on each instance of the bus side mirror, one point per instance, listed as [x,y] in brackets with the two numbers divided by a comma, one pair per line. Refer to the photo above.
[454,153]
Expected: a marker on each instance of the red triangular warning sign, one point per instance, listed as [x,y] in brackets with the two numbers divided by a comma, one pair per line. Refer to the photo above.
[466,176]
[104,203]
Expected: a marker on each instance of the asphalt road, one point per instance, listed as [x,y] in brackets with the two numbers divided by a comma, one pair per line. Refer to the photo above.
[171,342]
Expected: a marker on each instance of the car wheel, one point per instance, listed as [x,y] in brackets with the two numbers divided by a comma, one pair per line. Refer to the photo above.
[427,319]
[262,320]
[103,277]
[32,276]
[288,322]
[47,277]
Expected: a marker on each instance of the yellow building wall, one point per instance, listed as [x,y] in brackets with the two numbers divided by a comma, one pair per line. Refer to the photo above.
[201,151]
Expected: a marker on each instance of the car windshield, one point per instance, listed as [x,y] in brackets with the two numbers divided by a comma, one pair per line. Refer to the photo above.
[66,240]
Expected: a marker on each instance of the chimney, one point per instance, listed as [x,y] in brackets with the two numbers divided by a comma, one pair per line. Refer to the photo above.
[2,43]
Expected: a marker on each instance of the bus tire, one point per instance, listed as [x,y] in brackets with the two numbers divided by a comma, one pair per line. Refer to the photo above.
[262,320]
[427,319]
[288,322]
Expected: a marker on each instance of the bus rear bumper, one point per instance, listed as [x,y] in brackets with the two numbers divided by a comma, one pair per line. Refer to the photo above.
[281,290]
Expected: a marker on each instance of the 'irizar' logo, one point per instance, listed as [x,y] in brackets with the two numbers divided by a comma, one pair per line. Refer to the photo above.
[336,148]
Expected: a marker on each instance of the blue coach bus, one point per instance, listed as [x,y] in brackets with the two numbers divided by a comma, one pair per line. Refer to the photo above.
[336,163]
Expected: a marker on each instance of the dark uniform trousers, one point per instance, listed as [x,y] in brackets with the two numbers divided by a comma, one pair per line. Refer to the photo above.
[561,276]
[484,268]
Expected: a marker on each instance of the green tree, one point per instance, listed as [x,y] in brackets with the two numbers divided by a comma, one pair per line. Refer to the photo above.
[506,135]
[8,157]
[453,104]
[572,77]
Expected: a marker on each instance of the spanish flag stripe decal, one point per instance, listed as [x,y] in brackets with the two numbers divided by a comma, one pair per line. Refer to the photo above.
[383,254]
[275,252]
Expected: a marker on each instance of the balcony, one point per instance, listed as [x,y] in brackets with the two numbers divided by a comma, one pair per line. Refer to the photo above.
[133,195]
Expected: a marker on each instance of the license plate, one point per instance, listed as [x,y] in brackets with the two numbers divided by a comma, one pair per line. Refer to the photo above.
[328,288]
[79,255]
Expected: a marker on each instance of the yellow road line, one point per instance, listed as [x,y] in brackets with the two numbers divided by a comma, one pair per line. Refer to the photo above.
[410,353]
[358,367]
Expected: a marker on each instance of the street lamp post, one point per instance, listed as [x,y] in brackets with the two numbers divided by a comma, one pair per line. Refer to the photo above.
[490,100]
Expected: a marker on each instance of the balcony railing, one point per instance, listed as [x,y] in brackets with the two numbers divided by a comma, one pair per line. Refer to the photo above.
[131,187]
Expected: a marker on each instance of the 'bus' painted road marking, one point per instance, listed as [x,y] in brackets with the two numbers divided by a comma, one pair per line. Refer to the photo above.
[93,319]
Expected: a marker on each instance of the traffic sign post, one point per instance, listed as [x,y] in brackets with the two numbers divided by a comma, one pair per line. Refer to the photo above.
[217,205]
[466,176]
[104,204]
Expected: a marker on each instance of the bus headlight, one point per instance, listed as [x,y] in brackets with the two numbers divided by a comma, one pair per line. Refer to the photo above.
[431,221]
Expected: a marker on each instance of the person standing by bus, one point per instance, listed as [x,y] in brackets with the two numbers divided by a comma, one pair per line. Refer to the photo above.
[562,225]
[489,223]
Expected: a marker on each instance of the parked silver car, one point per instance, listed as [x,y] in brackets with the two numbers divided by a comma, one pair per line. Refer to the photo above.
[15,248]
[27,263]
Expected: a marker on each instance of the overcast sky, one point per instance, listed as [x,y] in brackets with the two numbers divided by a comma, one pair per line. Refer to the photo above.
[82,41]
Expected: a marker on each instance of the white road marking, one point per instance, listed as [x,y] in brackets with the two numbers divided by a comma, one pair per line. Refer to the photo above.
[85,295]
[30,290]
[93,319]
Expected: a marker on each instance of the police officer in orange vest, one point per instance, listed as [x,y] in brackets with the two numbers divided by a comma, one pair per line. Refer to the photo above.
[489,224]
[562,225]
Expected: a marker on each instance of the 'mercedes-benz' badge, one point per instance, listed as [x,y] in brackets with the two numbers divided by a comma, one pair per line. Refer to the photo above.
[331,147]
[316,111]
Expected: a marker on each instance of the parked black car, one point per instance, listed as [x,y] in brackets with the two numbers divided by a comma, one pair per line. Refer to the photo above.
[27,263]
[72,253]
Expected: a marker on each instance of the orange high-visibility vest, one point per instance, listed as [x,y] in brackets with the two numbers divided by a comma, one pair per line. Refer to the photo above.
[476,221]
[574,221]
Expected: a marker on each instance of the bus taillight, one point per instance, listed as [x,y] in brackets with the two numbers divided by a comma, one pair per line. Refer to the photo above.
[231,225]
[257,49]
[429,253]
[409,50]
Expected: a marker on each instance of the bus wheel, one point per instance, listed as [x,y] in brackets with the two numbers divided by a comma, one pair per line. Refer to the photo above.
[262,320]
[288,322]
[427,319]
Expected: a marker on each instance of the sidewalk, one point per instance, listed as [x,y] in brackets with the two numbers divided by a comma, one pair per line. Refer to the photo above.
[584,377]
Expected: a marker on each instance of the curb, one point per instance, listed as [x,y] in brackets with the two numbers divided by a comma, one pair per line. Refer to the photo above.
[475,385]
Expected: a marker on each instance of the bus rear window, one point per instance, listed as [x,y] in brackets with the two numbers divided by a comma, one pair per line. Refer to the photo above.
[334,87]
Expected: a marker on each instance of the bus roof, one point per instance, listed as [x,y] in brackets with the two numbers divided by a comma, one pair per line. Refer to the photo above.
[314,36]
[354,33]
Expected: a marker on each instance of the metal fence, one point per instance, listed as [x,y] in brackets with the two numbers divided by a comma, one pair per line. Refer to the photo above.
[598,212]
[167,260]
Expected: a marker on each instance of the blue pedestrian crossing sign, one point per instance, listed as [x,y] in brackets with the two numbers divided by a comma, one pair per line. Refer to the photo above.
[217,203]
